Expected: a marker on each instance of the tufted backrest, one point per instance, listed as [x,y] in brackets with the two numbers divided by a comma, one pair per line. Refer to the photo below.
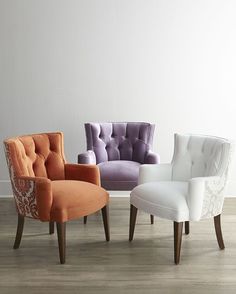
[199,156]
[40,155]
[119,140]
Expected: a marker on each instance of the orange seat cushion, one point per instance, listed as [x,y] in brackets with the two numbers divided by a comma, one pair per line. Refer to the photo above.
[75,199]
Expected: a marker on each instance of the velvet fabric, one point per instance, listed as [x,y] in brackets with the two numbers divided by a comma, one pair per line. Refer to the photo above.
[119,141]
[75,199]
[39,155]
[119,174]
[45,187]
[119,148]
[192,186]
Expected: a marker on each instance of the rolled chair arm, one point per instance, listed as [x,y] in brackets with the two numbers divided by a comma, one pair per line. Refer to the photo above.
[33,197]
[87,157]
[205,197]
[152,158]
[83,172]
[154,172]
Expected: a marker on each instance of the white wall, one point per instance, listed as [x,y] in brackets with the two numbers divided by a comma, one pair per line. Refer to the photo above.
[63,63]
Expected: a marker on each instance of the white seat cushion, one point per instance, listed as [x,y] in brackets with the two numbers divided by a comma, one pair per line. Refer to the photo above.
[164,199]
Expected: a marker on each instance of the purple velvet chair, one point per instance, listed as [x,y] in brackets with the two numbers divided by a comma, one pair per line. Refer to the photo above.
[119,148]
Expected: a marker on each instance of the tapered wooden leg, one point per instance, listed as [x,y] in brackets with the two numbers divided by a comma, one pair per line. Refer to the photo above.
[219,235]
[132,221]
[19,231]
[105,218]
[186,227]
[178,228]
[51,228]
[61,235]
[152,219]
[85,219]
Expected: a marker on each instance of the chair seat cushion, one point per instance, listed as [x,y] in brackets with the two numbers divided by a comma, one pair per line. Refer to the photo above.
[119,174]
[74,199]
[164,199]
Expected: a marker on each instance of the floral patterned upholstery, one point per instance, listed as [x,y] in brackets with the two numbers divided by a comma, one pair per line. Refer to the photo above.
[201,163]
[190,188]
[35,161]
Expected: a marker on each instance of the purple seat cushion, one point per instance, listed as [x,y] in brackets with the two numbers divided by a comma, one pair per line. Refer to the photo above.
[119,174]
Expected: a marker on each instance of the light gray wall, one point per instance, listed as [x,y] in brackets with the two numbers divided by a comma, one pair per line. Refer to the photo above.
[170,62]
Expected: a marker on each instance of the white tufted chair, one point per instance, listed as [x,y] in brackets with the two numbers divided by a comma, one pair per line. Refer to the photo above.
[191,188]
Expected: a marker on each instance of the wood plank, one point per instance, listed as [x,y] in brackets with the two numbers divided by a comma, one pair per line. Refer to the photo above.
[95,266]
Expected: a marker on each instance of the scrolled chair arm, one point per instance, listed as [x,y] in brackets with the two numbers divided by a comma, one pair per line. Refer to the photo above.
[33,196]
[152,158]
[205,196]
[87,157]
[83,172]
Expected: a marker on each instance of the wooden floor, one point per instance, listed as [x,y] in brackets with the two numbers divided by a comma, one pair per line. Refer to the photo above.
[94,266]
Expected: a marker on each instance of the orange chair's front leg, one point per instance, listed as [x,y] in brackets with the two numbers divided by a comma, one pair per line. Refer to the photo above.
[61,236]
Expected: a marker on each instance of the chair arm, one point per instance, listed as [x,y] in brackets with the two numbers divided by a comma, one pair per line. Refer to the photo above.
[87,157]
[83,172]
[151,158]
[154,172]
[33,196]
[205,197]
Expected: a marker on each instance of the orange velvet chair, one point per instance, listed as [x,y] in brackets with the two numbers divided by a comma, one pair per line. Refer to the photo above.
[47,188]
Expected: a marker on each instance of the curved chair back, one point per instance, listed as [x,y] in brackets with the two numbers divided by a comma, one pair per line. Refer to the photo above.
[199,156]
[119,140]
[38,155]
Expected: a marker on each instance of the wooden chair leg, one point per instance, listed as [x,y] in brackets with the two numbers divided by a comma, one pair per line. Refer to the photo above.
[51,228]
[105,217]
[178,228]
[152,219]
[85,220]
[132,221]
[219,235]
[186,227]
[19,231]
[61,236]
